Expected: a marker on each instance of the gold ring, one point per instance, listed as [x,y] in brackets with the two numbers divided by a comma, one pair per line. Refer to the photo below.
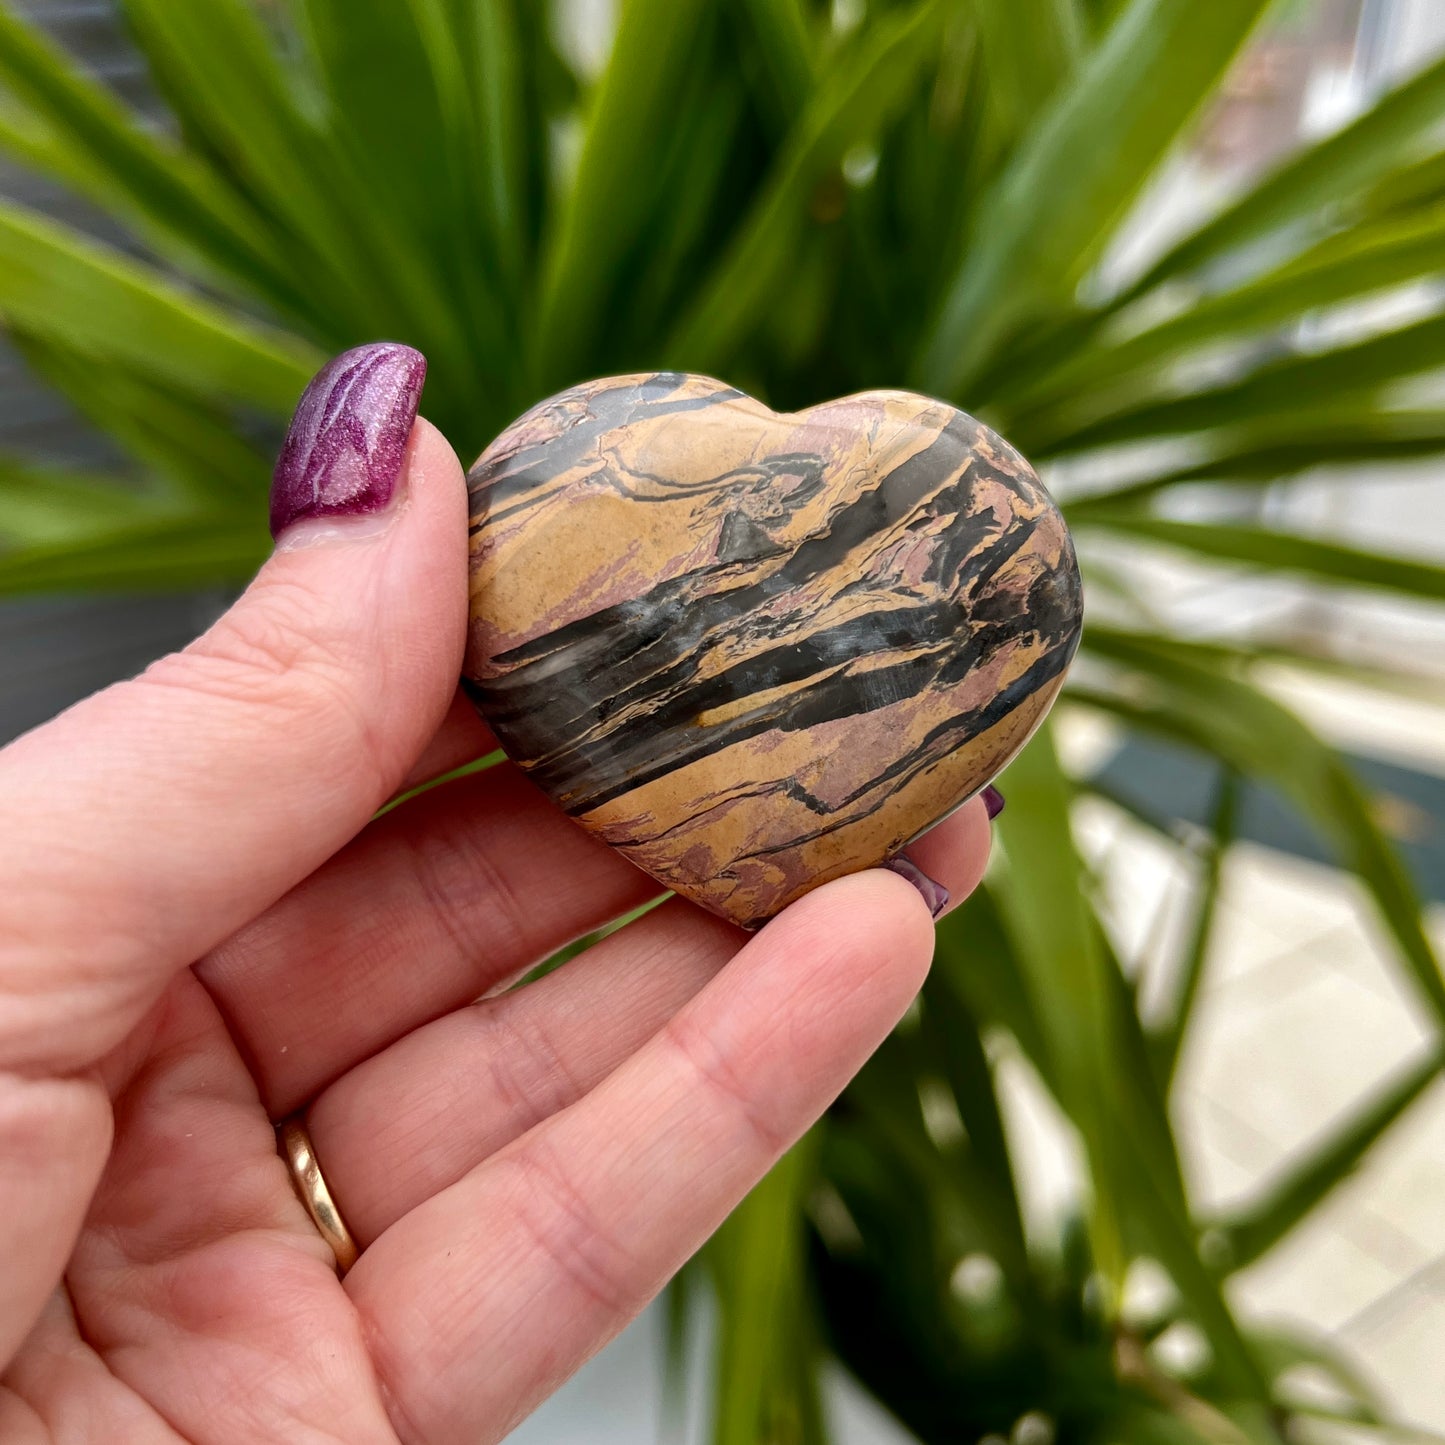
[311,1188]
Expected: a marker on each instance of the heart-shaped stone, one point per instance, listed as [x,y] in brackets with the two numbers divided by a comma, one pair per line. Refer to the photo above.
[755,651]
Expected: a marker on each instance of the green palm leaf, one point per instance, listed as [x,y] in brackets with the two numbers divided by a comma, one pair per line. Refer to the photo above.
[1275,551]
[1318,176]
[1074,174]
[56,287]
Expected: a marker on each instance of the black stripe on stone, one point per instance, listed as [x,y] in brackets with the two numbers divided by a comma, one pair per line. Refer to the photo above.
[939,742]
[649,647]
[621,720]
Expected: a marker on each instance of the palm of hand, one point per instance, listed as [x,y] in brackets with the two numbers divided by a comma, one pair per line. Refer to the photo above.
[523,1173]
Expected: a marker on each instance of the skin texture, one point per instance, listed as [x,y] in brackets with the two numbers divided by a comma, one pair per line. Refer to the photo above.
[758,651]
[202,931]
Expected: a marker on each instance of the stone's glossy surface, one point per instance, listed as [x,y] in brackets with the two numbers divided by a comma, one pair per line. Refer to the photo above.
[756,651]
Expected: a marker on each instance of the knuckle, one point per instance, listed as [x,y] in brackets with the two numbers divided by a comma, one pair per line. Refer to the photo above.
[716,1074]
[556,1217]
[271,634]
[468,892]
[530,1078]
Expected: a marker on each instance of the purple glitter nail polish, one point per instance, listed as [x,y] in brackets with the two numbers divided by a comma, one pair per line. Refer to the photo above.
[342,455]
[992,802]
[935,895]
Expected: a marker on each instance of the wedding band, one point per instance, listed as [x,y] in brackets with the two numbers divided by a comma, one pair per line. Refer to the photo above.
[311,1188]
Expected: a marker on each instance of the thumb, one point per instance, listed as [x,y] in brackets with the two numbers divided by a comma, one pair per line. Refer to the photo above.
[152,820]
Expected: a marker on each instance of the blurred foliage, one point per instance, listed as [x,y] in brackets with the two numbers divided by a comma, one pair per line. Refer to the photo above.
[810,200]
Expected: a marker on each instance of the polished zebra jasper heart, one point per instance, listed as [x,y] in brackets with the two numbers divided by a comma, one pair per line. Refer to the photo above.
[755,651]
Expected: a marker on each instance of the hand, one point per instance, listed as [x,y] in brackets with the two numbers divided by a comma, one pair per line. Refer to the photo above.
[202,932]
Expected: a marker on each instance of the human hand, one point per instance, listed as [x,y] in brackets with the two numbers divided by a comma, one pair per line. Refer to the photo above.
[203,931]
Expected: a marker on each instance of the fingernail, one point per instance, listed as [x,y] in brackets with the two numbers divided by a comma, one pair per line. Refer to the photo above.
[935,895]
[993,801]
[342,455]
